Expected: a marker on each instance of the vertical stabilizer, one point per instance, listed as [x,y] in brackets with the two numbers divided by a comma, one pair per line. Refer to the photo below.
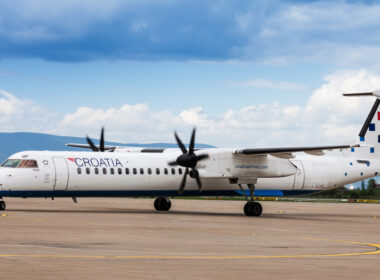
[371,122]
[369,135]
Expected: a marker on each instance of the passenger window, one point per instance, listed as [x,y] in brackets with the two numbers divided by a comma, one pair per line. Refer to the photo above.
[79,170]
[166,171]
[104,170]
[119,171]
[180,171]
[158,171]
[127,171]
[87,170]
[27,163]
[134,171]
[149,171]
[112,171]
[142,171]
[173,171]
[96,170]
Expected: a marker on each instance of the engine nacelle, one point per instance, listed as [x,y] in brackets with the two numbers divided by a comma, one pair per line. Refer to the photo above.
[258,166]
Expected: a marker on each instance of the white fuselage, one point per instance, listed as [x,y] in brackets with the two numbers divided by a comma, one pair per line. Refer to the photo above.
[148,174]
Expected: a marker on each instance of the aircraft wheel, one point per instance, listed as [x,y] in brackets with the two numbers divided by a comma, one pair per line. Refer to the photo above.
[2,205]
[162,204]
[253,209]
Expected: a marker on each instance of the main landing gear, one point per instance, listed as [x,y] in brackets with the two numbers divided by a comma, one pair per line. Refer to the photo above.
[251,208]
[162,203]
[2,205]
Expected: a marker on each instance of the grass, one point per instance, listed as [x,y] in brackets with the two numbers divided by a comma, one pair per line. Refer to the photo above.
[285,199]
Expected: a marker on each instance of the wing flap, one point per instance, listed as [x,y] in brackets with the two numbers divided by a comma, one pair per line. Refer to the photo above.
[315,153]
[284,155]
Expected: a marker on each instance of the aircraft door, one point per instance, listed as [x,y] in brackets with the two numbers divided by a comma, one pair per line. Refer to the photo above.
[299,177]
[61,174]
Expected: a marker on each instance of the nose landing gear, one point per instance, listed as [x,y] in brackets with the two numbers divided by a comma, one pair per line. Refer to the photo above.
[162,203]
[2,205]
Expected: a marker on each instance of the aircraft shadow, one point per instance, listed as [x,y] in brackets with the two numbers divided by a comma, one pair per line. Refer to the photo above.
[125,211]
[290,216]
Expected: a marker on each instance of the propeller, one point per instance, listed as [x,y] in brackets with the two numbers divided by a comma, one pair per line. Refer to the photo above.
[189,160]
[101,142]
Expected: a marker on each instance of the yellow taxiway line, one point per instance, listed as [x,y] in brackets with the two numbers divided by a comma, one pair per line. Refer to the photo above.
[186,257]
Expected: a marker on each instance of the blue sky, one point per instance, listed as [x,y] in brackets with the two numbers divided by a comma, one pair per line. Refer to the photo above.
[246,73]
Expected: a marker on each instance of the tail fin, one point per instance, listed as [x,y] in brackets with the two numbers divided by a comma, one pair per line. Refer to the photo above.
[369,135]
[371,122]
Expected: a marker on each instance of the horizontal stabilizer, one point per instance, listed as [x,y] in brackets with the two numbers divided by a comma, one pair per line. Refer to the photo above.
[374,93]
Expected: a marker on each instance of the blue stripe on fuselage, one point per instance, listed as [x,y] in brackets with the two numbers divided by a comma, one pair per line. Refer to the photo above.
[150,193]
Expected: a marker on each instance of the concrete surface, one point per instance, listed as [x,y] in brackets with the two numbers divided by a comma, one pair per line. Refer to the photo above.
[198,239]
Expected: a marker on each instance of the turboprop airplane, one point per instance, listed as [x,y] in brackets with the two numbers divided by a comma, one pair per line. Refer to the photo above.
[111,171]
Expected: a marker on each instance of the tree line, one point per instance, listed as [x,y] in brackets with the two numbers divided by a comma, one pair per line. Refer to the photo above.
[366,191]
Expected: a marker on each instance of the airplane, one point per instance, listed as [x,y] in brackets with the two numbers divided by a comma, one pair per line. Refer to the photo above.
[119,171]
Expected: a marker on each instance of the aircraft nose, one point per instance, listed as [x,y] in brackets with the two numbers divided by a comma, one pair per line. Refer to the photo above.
[4,179]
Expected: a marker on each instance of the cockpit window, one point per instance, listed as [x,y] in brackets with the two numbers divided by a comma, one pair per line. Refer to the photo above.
[11,163]
[28,163]
[18,163]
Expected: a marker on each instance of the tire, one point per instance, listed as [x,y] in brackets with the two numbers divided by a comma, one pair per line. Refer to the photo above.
[2,205]
[247,209]
[256,209]
[162,204]
[156,205]
[167,204]
[253,209]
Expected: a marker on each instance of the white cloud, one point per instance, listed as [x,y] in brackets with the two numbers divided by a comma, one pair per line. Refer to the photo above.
[262,83]
[127,123]
[342,33]
[327,118]
[292,111]
[197,117]
[22,114]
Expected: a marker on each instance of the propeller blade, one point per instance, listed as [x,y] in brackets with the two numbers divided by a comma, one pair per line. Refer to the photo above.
[92,145]
[183,183]
[192,142]
[172,163]
[202,157]
[197,179]
[101,144]
[180,144]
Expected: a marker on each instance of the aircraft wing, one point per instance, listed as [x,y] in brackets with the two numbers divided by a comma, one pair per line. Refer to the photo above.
[287,152]
[86,146]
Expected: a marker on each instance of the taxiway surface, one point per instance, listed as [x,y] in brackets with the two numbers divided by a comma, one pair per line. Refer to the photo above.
[118,238]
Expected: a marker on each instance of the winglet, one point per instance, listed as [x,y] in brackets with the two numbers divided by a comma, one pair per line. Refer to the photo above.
[374,93]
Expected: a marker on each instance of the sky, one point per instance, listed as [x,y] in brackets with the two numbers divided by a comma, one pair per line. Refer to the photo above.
[244,73]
